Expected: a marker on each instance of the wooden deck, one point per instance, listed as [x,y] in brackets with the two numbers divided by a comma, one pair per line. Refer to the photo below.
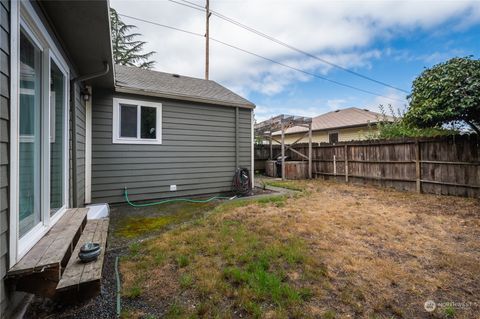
[52,267]
[51,249]
[41,268]
[84,279]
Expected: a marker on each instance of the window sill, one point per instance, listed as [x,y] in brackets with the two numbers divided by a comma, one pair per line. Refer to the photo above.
[137,142]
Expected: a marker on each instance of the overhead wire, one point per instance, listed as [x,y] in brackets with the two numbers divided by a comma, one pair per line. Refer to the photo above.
[284,44]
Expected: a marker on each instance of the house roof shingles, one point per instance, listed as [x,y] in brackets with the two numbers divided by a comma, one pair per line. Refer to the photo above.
[176,87]
[349,117]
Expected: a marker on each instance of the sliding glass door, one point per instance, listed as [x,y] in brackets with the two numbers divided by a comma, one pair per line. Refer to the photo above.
[57,138]
[42,166]
[30,134]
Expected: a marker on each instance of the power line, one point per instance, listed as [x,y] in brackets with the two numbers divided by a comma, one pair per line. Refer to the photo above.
[162,25]
[263,57]
[190,5]
[291,47]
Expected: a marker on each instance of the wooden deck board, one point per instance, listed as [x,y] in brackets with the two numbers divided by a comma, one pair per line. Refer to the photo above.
[93,271]
[30,260]
[78,274]
[63,241]
[52,248]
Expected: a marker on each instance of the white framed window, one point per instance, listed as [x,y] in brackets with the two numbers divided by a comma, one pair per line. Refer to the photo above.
[136,122]
[39,131]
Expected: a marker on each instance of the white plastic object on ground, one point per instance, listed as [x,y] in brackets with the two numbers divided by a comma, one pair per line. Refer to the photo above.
[96,211]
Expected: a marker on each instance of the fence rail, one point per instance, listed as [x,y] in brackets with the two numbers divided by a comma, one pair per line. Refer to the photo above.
[447,165]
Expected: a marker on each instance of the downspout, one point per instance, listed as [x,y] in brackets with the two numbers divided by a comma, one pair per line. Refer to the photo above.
[237,139]
[73,114]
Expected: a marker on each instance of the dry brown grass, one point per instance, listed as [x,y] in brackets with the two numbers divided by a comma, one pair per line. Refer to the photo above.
[340,251]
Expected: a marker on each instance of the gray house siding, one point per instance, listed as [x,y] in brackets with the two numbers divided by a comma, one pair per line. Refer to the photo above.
[78,119]
[197,154]
[4,145]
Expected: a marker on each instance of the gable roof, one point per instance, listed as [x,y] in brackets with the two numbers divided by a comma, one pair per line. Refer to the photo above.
[349,117]
[174,86]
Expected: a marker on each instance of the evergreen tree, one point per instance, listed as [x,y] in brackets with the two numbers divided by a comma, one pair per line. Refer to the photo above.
[126,49]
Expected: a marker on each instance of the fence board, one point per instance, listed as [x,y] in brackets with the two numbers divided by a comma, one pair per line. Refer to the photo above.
[446,165]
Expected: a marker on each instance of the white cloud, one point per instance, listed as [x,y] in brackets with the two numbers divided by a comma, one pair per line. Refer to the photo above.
[339,31]
[335,104]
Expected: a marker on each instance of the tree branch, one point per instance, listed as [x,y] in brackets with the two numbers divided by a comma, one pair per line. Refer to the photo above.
[474,127]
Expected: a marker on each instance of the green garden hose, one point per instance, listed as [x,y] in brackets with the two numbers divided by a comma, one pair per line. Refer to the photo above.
[117,277]
[174,200]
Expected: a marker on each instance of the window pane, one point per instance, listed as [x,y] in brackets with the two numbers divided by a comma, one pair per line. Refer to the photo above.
[57,145]
[128,120]
[30,134]
[148,122]
[333,137]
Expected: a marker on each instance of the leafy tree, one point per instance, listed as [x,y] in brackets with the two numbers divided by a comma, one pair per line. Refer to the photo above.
[127,50]
[394,126]
[448,92]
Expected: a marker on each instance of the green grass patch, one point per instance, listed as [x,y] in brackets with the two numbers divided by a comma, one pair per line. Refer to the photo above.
[133,292]
[329,314]
[292,185]
[277,200]
[134,249]
[182,261]
[259,269]
[186,281]
[262,284]
[175,311]
[449,311]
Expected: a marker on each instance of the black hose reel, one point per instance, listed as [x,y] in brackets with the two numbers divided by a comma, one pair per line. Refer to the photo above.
[241,182]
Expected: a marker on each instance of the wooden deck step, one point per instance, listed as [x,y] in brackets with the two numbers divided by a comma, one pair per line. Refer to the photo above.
[84,279]
[41,268]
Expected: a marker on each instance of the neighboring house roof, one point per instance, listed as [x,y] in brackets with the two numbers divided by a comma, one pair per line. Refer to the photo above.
[350,117]
[174,86]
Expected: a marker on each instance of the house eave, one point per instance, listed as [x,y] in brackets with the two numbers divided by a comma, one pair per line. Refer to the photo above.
[182,97]
[83,28]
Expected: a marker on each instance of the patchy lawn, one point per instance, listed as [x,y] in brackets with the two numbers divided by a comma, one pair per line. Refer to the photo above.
[331,251]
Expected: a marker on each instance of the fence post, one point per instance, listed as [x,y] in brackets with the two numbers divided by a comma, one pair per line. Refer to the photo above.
[346,163]
[418,167]
[271,147]
[283,153]
[310,150]
[334,165]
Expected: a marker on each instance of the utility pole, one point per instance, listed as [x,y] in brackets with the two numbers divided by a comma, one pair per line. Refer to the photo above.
[207,38]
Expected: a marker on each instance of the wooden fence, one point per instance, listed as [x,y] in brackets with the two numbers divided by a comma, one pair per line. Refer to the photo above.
[449,166]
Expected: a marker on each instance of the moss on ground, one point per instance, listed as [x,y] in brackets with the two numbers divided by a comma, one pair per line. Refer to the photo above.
[158,218]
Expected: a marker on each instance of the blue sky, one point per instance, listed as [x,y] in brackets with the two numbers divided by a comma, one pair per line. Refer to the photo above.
[403,58]
[391,41]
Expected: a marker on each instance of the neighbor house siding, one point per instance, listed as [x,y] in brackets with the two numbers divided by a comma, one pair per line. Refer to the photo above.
[344,135]
[4,145]
[198,151]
